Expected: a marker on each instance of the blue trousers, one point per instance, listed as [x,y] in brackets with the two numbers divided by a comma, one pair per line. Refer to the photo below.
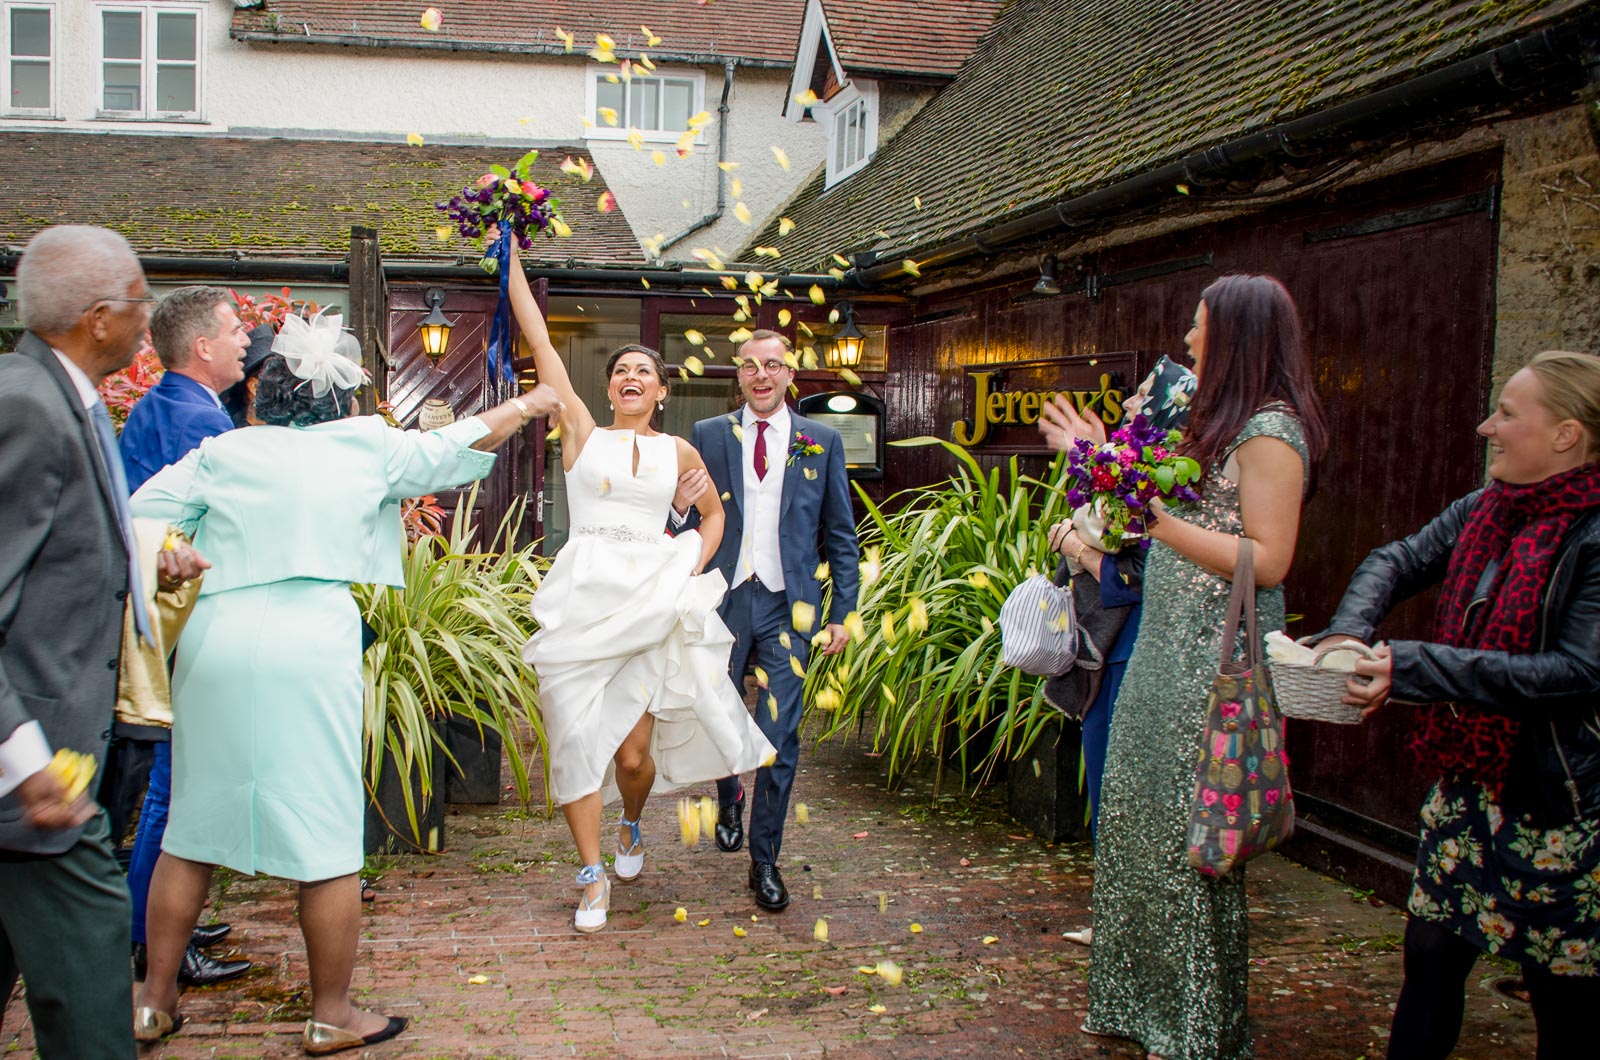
[147,842]
[758,619]
[1097,737]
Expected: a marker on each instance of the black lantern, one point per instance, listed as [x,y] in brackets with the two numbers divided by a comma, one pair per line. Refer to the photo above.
[435,328]
[845,349]
[1049,281]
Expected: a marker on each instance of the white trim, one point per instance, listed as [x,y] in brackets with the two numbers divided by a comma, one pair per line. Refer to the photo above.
[855,93]
[595,73]
[53,60]
[149,64]
[814,33]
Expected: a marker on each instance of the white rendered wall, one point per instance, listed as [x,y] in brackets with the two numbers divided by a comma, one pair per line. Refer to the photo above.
[458,98]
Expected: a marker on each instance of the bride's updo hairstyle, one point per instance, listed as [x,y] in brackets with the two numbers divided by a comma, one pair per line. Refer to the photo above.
[1571,385]
[634,347]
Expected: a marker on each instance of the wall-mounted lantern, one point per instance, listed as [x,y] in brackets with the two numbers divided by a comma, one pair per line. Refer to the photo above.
[435,328]
[845,349]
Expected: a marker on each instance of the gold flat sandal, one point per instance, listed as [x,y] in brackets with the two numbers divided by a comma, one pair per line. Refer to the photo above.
[320,1039]
[152,1025]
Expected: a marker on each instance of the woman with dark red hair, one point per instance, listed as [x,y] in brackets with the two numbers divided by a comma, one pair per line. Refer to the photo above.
[1169,966]
[1509,856]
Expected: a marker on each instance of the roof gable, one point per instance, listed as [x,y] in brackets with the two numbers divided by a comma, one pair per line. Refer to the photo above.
[273,198]
[689,31]
[1061,98]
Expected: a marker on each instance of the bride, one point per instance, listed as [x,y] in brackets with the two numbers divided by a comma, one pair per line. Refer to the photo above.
[631,656]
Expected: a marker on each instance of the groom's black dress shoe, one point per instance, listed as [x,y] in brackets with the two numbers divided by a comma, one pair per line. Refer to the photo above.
[771,894]
[209,935]
[730,825]
[197,969]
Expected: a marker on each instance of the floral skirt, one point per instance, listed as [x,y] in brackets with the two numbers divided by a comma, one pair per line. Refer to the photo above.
[1526,893]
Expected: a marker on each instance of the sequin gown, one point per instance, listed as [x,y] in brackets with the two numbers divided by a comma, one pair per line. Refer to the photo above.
[1169,967]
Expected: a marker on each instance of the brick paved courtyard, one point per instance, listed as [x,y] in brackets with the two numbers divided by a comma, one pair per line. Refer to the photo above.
[871,862]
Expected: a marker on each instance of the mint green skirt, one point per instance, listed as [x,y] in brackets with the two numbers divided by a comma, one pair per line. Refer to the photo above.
[266,736]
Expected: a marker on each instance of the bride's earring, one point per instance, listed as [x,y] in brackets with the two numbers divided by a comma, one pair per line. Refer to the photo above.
[610,406]
[661,406]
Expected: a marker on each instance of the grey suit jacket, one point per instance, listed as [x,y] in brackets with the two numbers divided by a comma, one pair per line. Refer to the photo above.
[63,574]
[816,521]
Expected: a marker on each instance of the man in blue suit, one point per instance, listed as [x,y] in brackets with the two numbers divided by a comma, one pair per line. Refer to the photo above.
[789,524]
[202,344]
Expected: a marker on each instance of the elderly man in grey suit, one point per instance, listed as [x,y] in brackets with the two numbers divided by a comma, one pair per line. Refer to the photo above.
[789,523]
[66,570]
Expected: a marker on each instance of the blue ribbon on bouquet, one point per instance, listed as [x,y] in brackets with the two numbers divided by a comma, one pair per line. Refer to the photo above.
[502,338]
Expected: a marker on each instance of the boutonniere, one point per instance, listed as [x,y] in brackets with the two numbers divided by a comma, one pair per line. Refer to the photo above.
[803,445]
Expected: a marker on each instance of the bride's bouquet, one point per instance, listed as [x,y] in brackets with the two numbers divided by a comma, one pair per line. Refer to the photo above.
[1115,482]
[505,197]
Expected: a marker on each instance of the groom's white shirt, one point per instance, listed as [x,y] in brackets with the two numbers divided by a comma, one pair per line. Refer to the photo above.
[760,548]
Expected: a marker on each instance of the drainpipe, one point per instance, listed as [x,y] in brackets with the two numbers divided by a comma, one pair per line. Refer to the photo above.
[1528,64]
[722,156]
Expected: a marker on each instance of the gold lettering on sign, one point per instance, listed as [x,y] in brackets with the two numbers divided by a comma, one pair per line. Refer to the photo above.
[1001,408]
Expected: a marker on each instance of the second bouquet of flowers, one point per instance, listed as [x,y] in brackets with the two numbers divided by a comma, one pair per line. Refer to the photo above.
[1115,482]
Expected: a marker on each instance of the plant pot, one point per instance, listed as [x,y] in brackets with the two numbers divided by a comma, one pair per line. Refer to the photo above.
[474,779]
[1042,789]
[388,827]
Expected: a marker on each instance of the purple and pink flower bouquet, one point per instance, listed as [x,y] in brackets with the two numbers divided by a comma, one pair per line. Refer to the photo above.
[1116,481]
[505,197]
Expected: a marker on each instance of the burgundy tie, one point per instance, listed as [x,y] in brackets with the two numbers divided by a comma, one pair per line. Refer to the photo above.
[761,449]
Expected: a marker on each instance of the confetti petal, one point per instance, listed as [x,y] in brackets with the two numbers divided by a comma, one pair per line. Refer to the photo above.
[849,377]
[990,940]
[820,931]
[890,973]
[855,626]
[802,813]
[803,616]
[658,157]
[781,155]
[739,335]
[432,19]
[607,115]
[650,39]
[703,923]
[785,226]
[680,914]
[807,98]
[741,213]
[443,233]
[772,702]
[607,203]
[810,472]
[917,621]
[708,815]
[761,677]
[876,1009]
[916,201]
[799,671]
[478,980]
[867,969]
[739,932]
[834,990]
[414,139]
[699,118]
[636,139]
[871,566]
[916,929]
[829,700]
[566,38]
[859,835]
[728,167]
[818,297]
[910,267]
[560,227]
[695,365]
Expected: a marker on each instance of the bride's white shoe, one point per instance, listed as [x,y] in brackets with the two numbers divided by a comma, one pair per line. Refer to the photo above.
[630,862]
[591,914]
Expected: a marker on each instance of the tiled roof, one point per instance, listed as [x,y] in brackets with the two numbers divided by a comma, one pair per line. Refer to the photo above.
[204,195]
[1061,98]
[906,36]
[764,34]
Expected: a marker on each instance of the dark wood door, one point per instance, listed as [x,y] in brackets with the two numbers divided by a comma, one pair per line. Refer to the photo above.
[462,380]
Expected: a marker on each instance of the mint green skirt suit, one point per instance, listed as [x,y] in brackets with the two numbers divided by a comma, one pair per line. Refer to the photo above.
[267,688]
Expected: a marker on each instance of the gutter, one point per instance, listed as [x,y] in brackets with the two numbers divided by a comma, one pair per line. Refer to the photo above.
[1503,75]
[722,156]
[367,40]
[302,269]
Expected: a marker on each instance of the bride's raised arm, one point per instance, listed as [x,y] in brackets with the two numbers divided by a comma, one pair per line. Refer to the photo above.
[575,419]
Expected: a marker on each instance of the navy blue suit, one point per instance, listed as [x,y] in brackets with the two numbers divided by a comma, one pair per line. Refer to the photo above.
[815,524]
[174,417]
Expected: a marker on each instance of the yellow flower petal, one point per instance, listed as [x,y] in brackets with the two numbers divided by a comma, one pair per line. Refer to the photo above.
[867,969]
[807,98]
[650,39]
[737,187]
[820,931]
[741,213]
[829,700]
[414,139]
[772,702]
[607,202]
[727,167]
[802,813]
[636,139]
[916,201]
[890,973]
[854,626]
[917,621]
[694,338]
[442,233]
[560,227]
[761,677]
[699,118]
[768,252]
[658,157]
[708,815]
[871,566]
[566,38]
[810,472]
[703,923]
[607,115]
[739,335]
[644,60]
[695,365]
[876,1009]
[849,377]
[785,641]
[739,932]
[799,671]
[680,914]
[911,267]
[781,155]
[883,902]
[785,226]
[916,929]
[478,980]
[990,940]
[888,693]
[432,19]
[818,296]
[803,616]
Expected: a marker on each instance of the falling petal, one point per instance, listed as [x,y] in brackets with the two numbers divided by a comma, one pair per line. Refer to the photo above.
[694,337]
[820,931]
[587,124]
[799,671]
[695,365]
[738,433]
[443,233]
[785,641]
[680,914]
[910,267]
[741,213]
[727,167]
[560,227]
[990,940]
[855,626]
[916,201]
[828,699]
[414,139]
[478,980]
[769,760]
[888,693]
[607,203]
[802,814]
[739,932]
[772,700]
[887,622]
[644,61]
[883,902]
[700,118]
[871,566]
[753,281]
[916,929]
[867,969]
[876,1009]
[1182,189]
[849,377]
[761,677]
[739,335]
[658,157]
[781,155]
[607,115]
[432,19]
[817,295]
[917,621]
[605,486]
[807,98]
[816,892]
[650,39]
[810,473]
[803,615]
[566,38]
[627,73]
[703,923]
[890,973]
[708,816]
[636,139]
[645,282]
[768,252]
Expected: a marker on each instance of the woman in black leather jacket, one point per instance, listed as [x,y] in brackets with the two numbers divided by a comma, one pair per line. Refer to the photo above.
[1506,697]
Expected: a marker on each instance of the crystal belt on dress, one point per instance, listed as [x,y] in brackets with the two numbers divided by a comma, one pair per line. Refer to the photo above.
[616,533]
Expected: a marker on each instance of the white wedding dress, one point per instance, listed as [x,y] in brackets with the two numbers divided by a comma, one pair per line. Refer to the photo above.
[626,626]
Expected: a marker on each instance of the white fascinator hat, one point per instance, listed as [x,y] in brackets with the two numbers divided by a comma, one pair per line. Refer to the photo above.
[321,352]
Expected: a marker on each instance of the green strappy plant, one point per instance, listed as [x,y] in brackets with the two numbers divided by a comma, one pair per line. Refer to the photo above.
[922,672]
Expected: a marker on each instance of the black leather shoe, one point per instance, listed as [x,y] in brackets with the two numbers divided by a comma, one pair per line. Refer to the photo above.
[209,935]
[771,894]
[197,969]
[730,825]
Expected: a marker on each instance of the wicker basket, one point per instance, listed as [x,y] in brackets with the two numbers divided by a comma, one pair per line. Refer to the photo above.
[1313,692]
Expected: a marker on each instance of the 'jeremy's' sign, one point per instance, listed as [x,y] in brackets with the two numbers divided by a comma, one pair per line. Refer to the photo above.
[1002,401]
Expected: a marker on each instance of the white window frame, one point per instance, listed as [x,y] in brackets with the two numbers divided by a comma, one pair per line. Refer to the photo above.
[148,63]
[55,53]
[857,93]
[596,73]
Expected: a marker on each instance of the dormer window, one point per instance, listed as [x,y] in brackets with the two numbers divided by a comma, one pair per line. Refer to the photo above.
[851,115]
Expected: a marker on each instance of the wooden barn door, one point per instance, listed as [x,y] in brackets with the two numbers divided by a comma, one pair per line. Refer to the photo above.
[461,379]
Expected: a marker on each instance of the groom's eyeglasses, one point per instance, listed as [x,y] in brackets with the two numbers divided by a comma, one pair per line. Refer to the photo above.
[770,367]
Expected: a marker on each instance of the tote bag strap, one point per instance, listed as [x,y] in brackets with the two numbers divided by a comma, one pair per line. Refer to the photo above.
[1242,603]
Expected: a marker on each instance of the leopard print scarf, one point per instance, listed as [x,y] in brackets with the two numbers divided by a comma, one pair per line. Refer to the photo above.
[1521,528]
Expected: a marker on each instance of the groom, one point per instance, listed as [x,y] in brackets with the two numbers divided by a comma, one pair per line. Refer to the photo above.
[787,498]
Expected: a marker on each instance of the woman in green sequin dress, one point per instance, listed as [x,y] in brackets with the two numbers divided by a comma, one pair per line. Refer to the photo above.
[1169,965]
